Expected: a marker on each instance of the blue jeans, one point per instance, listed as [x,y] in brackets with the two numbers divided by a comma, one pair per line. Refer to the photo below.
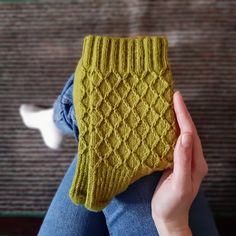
[129,213]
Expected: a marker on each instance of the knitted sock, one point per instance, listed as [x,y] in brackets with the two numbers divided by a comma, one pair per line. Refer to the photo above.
[122,93]
[81,90]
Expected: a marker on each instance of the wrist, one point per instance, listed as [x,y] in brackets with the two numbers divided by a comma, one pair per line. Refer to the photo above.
[166,228]
[174,232]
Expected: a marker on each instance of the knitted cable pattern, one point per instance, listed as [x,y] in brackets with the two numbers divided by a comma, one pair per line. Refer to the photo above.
[122,92]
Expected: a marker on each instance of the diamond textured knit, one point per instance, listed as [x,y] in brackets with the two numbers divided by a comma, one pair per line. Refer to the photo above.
[123,98]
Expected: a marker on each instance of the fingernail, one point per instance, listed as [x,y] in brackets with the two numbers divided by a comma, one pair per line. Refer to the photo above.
[177,91]
[186,140]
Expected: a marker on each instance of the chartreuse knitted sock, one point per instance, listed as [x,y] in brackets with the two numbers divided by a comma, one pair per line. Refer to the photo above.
[123,90]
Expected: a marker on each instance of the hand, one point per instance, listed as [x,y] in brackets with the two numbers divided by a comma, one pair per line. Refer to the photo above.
[177,188]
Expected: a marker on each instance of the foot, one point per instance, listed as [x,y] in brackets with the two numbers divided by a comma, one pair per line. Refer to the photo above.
[42,119]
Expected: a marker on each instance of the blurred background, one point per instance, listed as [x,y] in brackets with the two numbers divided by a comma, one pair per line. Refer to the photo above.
[40,45]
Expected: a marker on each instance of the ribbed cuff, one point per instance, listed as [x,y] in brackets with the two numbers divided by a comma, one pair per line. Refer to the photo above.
[125,54]
[104,184]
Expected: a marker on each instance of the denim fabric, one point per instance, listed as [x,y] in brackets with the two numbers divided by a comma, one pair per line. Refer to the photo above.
[63,110]
[129,213]
[63,218]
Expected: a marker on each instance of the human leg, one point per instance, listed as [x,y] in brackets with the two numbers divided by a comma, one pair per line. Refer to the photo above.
[63,110]
[64,218]
[53,122]
[129,213]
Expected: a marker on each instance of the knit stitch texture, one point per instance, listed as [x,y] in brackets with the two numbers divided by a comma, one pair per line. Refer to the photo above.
[123,98]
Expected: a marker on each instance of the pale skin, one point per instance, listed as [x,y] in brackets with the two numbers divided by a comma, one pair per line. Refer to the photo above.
[179,186]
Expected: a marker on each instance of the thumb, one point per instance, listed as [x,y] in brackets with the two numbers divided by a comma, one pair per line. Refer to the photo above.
[183,159]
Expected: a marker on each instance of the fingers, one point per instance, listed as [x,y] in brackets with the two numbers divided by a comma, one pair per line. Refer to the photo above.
[183,160]
[183,148]
[183,117]
[186,125]
[199,166]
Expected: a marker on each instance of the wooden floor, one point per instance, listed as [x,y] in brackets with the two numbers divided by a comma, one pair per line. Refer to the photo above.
[40,45]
